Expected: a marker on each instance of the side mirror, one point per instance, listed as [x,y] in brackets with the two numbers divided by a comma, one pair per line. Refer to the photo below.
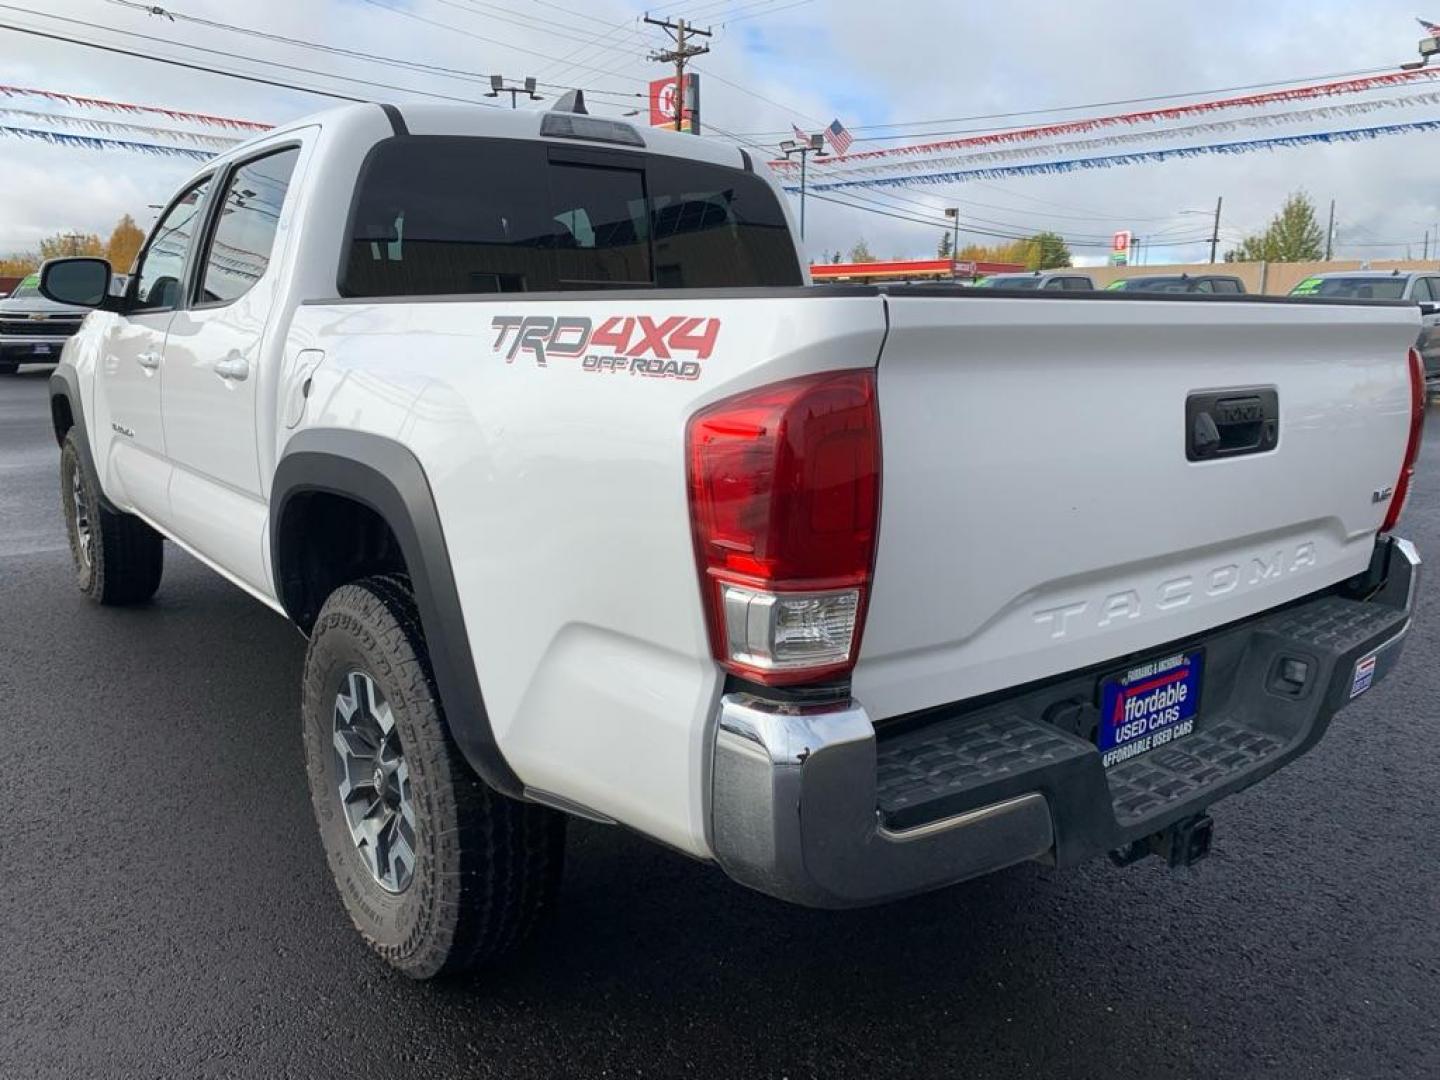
[1430,308]
[82,282]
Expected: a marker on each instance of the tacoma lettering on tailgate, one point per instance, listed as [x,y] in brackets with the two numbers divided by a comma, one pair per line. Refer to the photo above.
[663,348]
[1177,592]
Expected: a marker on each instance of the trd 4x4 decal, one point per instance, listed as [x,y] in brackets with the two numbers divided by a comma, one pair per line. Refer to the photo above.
[664,348]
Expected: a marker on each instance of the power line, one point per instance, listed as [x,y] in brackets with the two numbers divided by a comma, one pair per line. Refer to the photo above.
[357,54]
[1072,108]
[488,40]
[211,70]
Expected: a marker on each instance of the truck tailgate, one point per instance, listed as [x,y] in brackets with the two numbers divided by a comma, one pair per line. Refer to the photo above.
[1040,512]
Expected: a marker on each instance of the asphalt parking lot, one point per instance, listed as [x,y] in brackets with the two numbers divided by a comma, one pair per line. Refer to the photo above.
[165,908]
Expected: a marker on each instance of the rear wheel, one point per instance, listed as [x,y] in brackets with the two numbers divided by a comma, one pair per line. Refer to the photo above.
[438,872]
[118,558]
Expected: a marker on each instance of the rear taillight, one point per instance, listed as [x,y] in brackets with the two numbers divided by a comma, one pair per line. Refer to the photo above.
[1412,445]
[784,502]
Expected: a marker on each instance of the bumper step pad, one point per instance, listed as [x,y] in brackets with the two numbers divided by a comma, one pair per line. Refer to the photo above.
[948,765]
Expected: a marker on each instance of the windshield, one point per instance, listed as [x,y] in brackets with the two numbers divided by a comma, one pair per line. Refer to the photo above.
[1011,281]
[28,287]
[1354,288]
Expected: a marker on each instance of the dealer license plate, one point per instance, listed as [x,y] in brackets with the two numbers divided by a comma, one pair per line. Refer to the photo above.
[1149,705]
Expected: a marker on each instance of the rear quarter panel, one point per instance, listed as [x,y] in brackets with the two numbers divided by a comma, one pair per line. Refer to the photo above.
[562,495]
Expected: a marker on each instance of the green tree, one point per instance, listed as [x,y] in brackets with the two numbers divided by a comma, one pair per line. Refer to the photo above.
[1046,250]
[861,252]
[124,244]
[63,244]
[1293,235]
[946,247]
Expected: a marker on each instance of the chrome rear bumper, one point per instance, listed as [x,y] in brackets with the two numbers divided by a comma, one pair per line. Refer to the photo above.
[795,802]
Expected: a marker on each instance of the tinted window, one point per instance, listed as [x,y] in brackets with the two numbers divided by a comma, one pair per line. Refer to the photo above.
[1225,285]
[1161,284]
[244,234]
[1078,284]
[452,215]
[1425,290]
[1015,281]
[1353,288]
[157,285]
[601,226]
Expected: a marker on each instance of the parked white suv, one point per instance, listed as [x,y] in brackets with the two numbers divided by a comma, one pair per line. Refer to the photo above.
[590,506]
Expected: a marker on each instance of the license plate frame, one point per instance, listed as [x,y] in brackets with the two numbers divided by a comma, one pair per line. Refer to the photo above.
[1149,704]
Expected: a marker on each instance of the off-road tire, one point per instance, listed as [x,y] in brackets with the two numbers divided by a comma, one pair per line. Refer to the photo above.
[486,867]
[124,558]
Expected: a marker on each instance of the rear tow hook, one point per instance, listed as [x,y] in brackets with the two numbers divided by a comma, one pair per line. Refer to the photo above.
[1183,844]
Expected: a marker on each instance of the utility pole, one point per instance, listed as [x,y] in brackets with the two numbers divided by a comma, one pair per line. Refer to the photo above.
[814,145]
[498,87]
[1425,255]
[680,31]
[953,213]
[1330,232]
[1215,235]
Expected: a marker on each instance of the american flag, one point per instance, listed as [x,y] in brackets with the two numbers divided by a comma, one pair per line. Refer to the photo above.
[1433,29]
[839,138]
[798,133]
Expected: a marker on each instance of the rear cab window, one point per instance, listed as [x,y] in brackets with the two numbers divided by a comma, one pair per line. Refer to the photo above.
[454,215]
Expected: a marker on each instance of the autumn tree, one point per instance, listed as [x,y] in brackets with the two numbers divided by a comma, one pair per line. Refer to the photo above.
[18,264]
[65,244]
[124,244]
[1016,251]
[1293,235]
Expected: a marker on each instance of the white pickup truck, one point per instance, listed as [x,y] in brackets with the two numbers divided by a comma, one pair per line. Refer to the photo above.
[590,505]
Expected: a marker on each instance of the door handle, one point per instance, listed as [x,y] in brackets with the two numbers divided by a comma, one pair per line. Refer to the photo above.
[148,360]
[233,367]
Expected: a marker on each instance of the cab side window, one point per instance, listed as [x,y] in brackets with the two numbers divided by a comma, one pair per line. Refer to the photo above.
[243,238]
[162,263]
[1425,290]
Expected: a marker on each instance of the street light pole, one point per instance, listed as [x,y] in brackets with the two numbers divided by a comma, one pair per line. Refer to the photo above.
[814,145]
[498,87]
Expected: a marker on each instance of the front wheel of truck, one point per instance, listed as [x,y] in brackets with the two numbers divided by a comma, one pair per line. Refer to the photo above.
[439,873]
[118,558]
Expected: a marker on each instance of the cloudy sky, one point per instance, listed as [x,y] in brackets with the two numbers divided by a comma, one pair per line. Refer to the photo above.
[923,65]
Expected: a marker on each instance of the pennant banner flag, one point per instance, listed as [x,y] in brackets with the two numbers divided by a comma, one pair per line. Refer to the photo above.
[106,127]
[95,142]
[1209,129]
[1042,168]
[79,102]
[1093,123]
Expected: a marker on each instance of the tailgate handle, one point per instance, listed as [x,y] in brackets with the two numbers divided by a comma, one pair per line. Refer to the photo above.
[1231,423]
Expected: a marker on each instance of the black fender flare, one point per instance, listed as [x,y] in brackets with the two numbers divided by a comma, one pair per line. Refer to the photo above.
[65,386]
[386,477]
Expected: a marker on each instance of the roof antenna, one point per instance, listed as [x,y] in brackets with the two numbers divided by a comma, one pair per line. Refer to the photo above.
[572,101]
